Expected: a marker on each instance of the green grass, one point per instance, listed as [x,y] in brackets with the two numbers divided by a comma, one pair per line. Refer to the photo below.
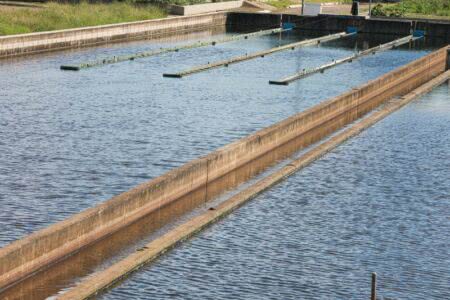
[281,3]
[56,16]
[423,8]
[427,7]
[285,3]
[330,1]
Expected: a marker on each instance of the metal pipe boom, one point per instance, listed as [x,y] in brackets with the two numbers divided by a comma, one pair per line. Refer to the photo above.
[263,53]
[334,63]
[130,57]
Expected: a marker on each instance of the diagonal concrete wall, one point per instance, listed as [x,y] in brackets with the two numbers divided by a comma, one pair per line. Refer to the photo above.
[47,246]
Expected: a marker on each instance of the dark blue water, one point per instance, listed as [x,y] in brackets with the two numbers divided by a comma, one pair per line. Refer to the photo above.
[378,203]
[70,140]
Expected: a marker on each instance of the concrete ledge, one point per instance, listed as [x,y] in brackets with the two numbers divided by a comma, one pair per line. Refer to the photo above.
[313,9]
[189,10]
[36,251]
[22,4]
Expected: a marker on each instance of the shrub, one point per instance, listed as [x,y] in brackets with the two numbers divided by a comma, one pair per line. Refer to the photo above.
[422,7]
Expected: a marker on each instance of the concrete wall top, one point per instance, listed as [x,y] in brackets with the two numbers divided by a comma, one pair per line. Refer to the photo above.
[196,9]
[106,29]
[393,19]
[312,9]
[23,44]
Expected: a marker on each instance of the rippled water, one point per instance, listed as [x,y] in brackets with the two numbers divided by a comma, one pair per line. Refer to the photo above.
[378,203]
[73,139]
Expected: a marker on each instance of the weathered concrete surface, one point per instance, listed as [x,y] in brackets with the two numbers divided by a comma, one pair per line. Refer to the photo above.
[189,10]
[154,249]
[14,45]
[312,9]
[49,245]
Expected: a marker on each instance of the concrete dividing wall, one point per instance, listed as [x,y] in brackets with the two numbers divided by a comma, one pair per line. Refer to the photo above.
[44,247]
[196,9]
[14,45]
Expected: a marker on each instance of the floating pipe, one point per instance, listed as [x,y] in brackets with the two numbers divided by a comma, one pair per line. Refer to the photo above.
[238,59]
[122,58]
[334,63]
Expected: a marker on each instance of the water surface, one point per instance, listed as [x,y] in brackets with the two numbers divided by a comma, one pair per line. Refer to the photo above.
[378,203]
[70,140]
